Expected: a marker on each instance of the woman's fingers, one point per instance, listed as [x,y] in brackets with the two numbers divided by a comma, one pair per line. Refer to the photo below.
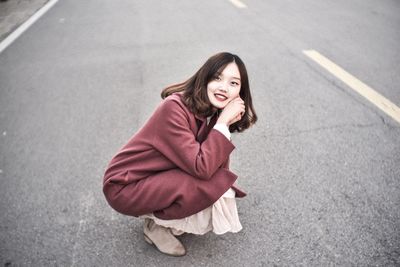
[233,112]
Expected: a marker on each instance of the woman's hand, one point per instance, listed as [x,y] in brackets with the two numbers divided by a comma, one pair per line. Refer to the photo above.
[232,112]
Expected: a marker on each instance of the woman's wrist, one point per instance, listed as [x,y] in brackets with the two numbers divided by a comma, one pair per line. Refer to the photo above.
[224,129]
[222,121]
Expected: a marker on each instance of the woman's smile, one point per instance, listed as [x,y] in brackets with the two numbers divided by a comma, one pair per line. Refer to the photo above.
[220,97]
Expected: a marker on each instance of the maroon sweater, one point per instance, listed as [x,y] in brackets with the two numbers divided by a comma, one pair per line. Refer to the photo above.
[174,166]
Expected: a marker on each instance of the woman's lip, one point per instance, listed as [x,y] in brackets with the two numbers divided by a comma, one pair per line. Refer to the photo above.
[220,96]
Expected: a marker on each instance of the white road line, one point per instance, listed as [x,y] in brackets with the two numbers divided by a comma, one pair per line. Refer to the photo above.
[374,97]
[20,30]
[238,3]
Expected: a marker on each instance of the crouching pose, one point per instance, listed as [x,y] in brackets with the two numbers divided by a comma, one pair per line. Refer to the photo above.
[174,172]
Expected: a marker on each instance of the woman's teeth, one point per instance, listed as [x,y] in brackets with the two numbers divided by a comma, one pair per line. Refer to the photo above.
[220,97]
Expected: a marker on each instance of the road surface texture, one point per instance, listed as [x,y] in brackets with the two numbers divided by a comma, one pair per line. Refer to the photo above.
[14,12]
[321,167]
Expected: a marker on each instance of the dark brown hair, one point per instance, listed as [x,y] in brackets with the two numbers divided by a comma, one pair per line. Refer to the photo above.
[195,89]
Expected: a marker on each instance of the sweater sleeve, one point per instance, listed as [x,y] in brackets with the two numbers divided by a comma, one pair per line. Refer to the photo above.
[174,139]
[222,128]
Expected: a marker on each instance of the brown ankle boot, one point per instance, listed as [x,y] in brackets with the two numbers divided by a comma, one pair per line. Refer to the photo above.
[162,238]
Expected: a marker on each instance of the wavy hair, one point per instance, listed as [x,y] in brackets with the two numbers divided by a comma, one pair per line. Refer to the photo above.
[195,90]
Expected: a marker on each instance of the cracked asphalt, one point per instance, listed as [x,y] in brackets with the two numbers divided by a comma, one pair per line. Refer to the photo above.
[321,167]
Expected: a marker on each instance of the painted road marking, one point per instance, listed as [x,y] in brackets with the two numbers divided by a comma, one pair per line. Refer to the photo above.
[21,29]
[373,96]
[238,3]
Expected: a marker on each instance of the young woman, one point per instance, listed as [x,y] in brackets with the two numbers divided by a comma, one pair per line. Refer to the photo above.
[174,171]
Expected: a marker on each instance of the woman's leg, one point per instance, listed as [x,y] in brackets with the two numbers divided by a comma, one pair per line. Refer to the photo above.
[171,194]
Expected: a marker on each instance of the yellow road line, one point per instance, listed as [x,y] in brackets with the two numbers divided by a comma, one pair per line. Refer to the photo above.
[374,97]
[238,3]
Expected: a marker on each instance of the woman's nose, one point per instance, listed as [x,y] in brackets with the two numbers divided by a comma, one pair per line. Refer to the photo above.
[223,87]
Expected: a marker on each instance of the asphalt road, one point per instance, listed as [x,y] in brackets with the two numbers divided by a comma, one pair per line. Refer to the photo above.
[321,167]
[15,12]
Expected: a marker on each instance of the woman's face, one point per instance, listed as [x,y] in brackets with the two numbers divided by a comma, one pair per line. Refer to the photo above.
[225,86]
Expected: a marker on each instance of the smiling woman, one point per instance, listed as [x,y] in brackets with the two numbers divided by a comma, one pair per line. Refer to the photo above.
[174,172]
[221,72]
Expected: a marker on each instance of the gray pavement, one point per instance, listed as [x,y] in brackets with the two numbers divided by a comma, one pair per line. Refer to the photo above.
[321,167]
[15,12]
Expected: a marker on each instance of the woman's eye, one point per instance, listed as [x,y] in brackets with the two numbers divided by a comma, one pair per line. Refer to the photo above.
[217,78]
[235,83]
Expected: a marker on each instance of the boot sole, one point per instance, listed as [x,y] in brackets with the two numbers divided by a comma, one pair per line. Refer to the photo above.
[148,240]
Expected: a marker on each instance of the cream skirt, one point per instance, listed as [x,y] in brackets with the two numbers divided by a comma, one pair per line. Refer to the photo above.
[220,218]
